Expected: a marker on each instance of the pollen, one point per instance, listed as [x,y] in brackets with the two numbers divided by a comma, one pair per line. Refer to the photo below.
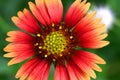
[55,43]
[38,35]
[60,27]
[40,47]
[36,44]
[71,37]
[54,60]
[53,24]
[46,56]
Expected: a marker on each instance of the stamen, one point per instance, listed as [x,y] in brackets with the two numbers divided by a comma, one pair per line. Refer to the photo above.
[60,55]
[46,56]
[38,35]
[40,51]
[66,30]
[36,44]
[71,37]
[60,27]
[40,47]
[53,24]
[54,60]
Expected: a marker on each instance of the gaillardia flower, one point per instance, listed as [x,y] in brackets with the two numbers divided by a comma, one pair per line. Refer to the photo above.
[44,39]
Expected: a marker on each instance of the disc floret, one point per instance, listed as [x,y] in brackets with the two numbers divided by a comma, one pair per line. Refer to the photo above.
[55,42]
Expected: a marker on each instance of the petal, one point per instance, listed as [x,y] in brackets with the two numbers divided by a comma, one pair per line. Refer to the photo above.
[27,68]
[90,33]
[93,66]
[75,73]
[18,47]
[26,21]
[36,13]
[71,72]
[43,12]
[91,62]
[96,44]
[86,21]
[83,66]
[86,61]
[21,57]
[61,72]
[40,72]
[20,52]
[55,10]
[90,57]
[90,37]
[76,12]
[46,73]
[47,12]
[19,37]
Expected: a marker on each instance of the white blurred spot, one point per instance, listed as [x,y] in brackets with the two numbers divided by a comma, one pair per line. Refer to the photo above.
[107,16]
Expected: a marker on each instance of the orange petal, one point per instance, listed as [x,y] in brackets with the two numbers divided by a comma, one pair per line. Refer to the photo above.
[21,57]
[95,67]
[92,38]
[18,47]
[9,55]
[94,45]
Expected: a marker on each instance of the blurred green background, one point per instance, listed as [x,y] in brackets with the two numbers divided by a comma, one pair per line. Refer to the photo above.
[111,53]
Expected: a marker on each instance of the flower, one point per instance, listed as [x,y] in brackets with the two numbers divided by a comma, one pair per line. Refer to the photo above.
[107,16]
[45,39]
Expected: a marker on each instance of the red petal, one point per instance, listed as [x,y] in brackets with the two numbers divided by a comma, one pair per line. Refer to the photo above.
[84,67]
[55,10]
[86,23]
[96,44]
[90,57]
[71,72]
[90,33]
[76,12]
[61,73]
[91,62]
[47,12]
[40,72]
[91,38]
[45,72]
[75,73]
[19,37]
[86,61]
[27,68]
[26,21]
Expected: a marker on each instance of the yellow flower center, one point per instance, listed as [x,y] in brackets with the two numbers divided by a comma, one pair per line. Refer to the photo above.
[55,43]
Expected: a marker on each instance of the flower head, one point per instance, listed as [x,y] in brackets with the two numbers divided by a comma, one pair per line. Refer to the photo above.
[46,39]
